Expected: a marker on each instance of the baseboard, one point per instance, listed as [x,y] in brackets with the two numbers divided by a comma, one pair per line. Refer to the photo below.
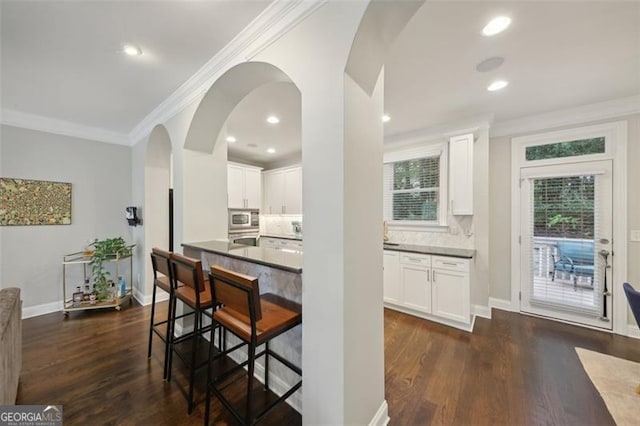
[481,311]
[146,299]
[633,331]
[45,308]
[382,416]
[459,325]
[502,304]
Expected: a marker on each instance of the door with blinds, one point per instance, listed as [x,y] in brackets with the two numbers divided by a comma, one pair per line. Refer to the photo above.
[565,238]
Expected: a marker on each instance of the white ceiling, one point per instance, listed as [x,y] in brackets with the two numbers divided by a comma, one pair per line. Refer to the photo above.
[557,55]
[248,124]
[61,60]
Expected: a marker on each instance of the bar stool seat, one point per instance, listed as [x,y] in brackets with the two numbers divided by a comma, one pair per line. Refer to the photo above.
[188,295]
[278,314]
[255,319]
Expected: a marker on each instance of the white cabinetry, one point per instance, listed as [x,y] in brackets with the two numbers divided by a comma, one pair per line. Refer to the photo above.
[391,276]
[450,288]
[429,286]
[283,191]
[281,243]
[243,187]
[461,174]
[415,272]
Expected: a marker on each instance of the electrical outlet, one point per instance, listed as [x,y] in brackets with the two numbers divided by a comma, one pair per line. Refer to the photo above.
[635,235]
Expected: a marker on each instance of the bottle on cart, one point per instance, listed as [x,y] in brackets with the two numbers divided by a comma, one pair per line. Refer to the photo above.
[77,296]
[87,289]
[113,292]
[123,286]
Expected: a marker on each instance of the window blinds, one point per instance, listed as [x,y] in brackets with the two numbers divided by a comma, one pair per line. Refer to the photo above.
[564,223]
[411,189]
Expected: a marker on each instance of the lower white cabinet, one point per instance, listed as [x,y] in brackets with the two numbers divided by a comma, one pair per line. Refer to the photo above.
[391,276]
[434,287]
[416,287]
[281,243]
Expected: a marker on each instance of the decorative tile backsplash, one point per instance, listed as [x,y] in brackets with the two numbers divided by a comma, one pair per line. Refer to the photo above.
[278,225]
[459,234]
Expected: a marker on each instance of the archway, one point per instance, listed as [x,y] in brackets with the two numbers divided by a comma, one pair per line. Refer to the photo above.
[157,182]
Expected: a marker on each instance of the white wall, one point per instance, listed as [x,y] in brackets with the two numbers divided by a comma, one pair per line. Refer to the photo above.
[100,175]
[363,310]
[500,206]
[480,283]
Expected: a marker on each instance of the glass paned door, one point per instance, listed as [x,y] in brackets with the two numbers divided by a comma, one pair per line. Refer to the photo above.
[565,242]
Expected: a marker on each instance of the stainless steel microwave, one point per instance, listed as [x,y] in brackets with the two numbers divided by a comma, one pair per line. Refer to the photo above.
[241,219]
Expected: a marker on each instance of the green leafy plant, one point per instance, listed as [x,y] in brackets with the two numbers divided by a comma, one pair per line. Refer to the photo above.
[105,250]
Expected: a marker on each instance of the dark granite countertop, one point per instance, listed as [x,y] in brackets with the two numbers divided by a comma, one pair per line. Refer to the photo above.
[283,236]
[287,260]
[439,251]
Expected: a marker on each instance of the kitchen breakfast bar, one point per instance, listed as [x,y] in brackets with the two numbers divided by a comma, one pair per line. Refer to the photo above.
[279,272]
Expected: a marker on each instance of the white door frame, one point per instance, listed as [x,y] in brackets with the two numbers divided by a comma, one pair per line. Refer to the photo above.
[615,134]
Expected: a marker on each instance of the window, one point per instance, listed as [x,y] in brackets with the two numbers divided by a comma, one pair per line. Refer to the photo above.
[414,187]
[565,149]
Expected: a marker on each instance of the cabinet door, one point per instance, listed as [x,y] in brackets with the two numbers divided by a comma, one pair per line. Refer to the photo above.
[252,188]
[450,291]
[391,277]
[273,193]
[461,174]
[235,187]
[293,191]
[416,287]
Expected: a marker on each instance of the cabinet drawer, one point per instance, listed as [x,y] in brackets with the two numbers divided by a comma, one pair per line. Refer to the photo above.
[415,259]
[450,263]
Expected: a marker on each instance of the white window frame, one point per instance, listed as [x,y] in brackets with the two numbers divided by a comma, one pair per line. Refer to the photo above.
[431,150]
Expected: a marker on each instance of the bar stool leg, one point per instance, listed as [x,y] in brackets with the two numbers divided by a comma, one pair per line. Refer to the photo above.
[153,311]
[192,373]
[250,370]
[266,366]
[170,335]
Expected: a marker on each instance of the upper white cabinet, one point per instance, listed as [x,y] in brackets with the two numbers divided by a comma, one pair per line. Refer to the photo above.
[243,187]
[283,191]
[461,174]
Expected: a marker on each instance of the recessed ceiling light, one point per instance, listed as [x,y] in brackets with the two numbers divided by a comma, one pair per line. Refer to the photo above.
[496,25]
[497,85]
[273,119]
[385,118]
[490,64]
[231,139]
[271,151]
[131,50]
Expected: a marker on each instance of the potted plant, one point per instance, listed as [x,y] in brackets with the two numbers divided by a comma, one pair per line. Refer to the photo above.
[105,250]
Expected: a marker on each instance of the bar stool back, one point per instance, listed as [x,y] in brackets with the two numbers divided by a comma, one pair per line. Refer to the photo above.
[255,320]
[160,260]
[190,288]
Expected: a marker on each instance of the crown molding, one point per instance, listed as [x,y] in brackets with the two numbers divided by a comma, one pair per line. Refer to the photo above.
[60,127]
[276,20]
[566,117]
[441,131]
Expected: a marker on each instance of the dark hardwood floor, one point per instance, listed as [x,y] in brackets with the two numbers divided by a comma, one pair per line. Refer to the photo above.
[513,370]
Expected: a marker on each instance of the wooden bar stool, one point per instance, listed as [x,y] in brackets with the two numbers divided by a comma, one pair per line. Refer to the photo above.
[190,287]
[160,260]
[255,320]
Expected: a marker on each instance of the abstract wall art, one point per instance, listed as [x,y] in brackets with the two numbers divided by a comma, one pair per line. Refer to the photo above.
[34,202]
